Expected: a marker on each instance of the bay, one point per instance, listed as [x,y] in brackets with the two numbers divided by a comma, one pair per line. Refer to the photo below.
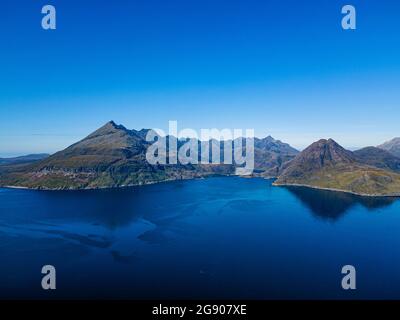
[216,238]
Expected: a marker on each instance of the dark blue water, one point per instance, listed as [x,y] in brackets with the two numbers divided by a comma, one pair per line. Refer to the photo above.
[212,238]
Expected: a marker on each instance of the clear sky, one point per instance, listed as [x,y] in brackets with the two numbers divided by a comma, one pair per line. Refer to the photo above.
[285,68]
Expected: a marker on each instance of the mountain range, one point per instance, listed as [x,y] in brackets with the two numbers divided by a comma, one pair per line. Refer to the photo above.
[114,156]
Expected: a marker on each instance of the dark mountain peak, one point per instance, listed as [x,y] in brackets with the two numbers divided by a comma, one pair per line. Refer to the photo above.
[318,143]
[109,128]
[277,146]
[111,125]
[108,144]
[329,145]
[323,143]
[325,152]
[269,138]
[329,141]
[325,164]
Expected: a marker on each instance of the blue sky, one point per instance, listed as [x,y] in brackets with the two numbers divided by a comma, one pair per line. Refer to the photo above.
[284,68]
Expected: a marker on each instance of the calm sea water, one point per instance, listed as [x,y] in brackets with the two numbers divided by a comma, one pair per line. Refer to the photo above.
[212,238]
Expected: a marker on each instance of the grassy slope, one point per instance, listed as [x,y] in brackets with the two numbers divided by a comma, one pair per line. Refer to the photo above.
[361,180]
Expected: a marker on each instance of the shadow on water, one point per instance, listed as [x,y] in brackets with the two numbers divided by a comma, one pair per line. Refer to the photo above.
[332,205]
[109,208]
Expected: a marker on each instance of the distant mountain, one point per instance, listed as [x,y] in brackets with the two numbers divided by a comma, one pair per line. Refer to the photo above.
[114,156]
[23,159]
[276,146]
[379,158]
[327,165]
[271,156]
[393,146]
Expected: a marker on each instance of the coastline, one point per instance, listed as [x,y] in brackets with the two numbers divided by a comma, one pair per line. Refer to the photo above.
[396,195]
[93,188]
[115,187]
